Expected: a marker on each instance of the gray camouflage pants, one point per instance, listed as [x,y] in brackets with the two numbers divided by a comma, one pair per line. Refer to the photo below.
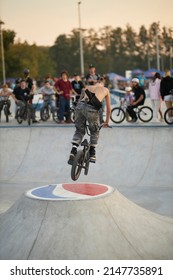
[85,112]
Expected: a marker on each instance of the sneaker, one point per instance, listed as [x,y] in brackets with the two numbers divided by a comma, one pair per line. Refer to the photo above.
[92,154]
[72,155]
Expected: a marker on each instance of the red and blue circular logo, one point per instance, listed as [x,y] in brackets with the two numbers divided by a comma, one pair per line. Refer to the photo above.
[77,191]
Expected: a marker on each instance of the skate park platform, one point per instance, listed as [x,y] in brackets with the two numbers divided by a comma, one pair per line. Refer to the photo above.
[135,221]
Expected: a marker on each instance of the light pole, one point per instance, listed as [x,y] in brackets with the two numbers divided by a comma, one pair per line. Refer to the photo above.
[81,41]
[157,50]
[2,53]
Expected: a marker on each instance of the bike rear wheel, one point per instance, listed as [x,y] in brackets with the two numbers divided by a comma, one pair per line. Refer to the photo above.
[45,114]
[145,114]
[18,117]
[29,116]
[168,116]
[117,115]
[77,165]
[6,114]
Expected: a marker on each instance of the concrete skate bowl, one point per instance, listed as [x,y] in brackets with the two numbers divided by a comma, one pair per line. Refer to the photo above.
[111,227]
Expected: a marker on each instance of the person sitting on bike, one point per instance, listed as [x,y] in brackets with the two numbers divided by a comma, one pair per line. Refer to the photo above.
[48,93]
[139,99]
[5,93]
[21,95]
[87,110]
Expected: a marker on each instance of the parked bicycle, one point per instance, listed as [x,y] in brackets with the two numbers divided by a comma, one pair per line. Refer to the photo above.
[118,114]
[168,115]
[82,158]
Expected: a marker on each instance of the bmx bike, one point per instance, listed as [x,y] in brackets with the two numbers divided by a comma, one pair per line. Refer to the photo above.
[6,111]
[118,114]
[82,158]
[168,115]
[26,115]
[45,113]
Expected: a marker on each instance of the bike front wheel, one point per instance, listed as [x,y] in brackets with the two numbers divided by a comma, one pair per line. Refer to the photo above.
[145,114]
[29,116]
[77,165]
[45,114]
[117,115]
[18,117]
[6,114]
[168,116]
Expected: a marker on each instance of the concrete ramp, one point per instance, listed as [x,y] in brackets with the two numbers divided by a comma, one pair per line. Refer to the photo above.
[136,161]
[106,228]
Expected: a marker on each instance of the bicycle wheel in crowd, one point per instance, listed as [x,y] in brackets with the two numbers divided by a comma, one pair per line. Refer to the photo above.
[77,165]
[145,114]
[55,115]
[29,116]
[117,115]
[6,113]
[45,114]
[18,117]
[168,116]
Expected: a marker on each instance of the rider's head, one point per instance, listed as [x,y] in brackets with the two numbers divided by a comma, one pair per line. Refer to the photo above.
[47,83]
[23,83]
[26,71]
[135,82]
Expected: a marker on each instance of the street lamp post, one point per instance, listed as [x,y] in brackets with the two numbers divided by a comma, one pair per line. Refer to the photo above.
[81,41]
[2,53]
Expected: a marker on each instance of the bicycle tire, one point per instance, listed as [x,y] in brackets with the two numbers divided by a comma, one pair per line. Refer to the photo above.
[86,167]
[6,114]
[55,115]
[145,114]
[44,114]
[18,117]
[77,165]
[168,116]
[29,117]
[117,115]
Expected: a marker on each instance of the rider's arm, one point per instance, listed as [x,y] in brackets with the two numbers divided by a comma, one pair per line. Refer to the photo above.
[14,97]
[108,109]
[138,100]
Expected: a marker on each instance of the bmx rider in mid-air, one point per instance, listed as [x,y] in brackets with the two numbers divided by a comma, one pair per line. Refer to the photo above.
[87,110]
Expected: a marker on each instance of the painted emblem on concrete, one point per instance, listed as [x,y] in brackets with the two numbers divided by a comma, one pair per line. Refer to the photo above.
[77,191]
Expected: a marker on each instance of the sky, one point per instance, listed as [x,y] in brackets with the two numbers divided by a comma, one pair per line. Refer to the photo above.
[41,22]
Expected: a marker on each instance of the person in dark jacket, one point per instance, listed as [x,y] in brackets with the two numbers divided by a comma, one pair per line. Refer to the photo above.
[166,86]
[139,99]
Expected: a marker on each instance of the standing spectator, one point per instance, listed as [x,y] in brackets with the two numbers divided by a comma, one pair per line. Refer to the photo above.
[29,83]
[139,99]
[165,86]
[92,78]
[64,90]
[77,85]
[154,92]
[50,79]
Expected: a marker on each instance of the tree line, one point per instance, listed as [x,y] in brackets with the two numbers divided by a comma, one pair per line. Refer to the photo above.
[109,49]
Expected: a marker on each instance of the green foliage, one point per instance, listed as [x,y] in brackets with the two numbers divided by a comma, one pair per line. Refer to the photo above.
[109,49]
